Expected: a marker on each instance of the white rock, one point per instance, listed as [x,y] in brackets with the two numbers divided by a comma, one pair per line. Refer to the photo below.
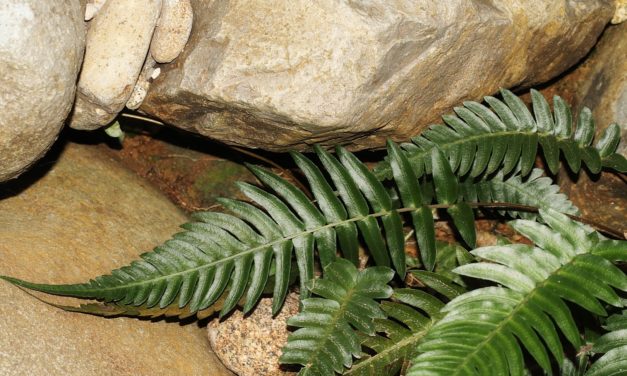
[92,7]
[117,43]
[41,48]
[172,32]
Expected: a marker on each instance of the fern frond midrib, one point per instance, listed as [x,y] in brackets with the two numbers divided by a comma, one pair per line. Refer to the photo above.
[249,251]
[412,339]
[506,322]
[99,289]
[339,315]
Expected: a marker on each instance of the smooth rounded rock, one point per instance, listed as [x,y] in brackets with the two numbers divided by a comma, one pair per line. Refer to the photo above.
[603,86]
[78,219]
[620,15]
[172,31]
[41,49]
[117,44]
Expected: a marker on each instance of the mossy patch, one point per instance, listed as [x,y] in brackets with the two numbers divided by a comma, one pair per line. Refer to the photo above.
[218,180]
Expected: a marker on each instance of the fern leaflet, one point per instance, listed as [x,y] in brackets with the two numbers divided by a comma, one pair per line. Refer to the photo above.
[613,346]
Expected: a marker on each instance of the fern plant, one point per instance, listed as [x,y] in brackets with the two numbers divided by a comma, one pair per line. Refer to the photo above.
[482,331]
[480,159]
[193,269]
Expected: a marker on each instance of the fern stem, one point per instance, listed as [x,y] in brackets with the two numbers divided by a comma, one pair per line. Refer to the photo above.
[86,291]
[601,227]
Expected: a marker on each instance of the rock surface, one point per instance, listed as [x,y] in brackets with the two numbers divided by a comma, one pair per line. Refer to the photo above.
[600,83]
[41,49]
[117,43]
[81,218]
[284,76]
[251,346]
[620,14]
[172,31]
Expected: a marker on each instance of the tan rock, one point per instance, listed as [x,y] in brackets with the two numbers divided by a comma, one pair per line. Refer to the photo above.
[251,346]
[117,44]
[173,29]
[143,83]
[41,49]
[620,15]
[284,75]
[80,218]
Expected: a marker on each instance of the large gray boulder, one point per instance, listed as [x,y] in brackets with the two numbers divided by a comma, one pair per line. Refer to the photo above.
[284,75]
[41,49]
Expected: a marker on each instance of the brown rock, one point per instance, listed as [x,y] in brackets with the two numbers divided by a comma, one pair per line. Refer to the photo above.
[251,346]
[283,76]
[81,218]
[600,83]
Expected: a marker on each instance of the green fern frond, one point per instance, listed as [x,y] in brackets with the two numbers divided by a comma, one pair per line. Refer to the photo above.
[478,140]
[613,346]
[231,255]
[483,331]
[327,339]
[410,315]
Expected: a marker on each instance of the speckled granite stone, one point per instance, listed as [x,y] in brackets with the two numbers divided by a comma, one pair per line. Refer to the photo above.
[251,346]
